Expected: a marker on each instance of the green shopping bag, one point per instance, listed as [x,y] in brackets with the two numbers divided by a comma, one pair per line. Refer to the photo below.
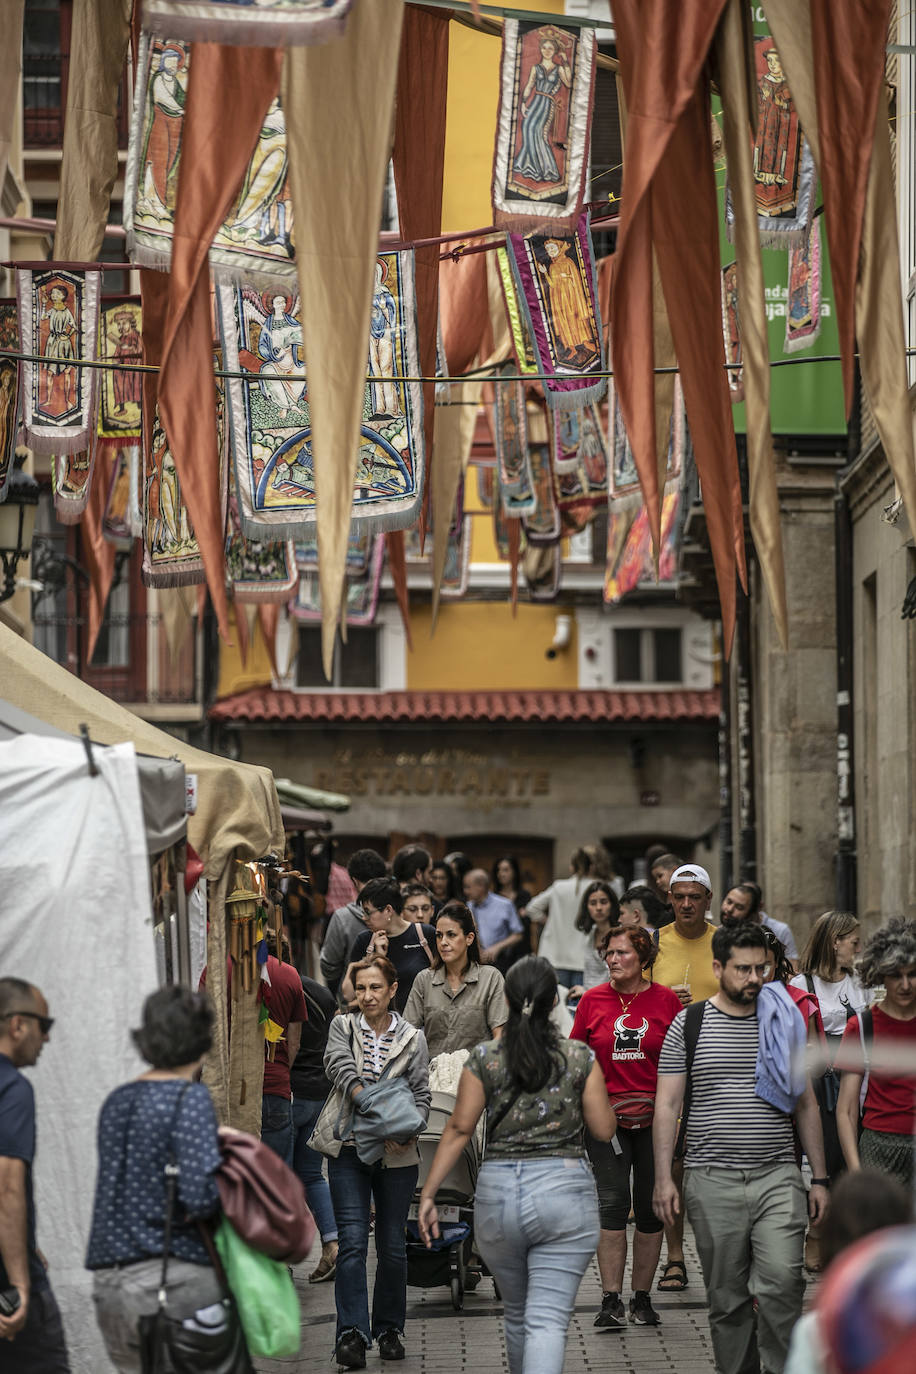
[266,1299]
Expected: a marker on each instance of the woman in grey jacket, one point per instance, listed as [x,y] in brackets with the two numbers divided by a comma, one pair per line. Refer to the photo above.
[361,1045]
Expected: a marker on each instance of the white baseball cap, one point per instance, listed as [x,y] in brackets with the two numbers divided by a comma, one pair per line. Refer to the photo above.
[690,873]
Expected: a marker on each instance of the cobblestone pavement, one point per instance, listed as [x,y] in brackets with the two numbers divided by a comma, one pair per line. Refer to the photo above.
[439,1339]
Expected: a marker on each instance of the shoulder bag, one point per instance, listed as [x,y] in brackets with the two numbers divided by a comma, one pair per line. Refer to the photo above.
[167,1345]
[263,1198]
[386,1110]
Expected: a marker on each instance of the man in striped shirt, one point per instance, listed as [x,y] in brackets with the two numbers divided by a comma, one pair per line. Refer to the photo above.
[743,1189]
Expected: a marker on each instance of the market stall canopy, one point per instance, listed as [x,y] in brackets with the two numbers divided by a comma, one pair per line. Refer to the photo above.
[162,781]
[237,804]
[298,818]
[297,794]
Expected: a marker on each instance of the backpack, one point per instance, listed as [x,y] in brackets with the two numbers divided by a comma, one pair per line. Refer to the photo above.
[693,1021]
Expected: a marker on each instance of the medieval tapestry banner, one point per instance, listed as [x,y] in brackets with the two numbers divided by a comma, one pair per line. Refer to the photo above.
[731,331]
[361,592]
[522,346]
[457,565]
[256,23]
[784,174]
[511,426]
[501,531]
[543,130]
[541,568]
[120,390]
[634,564]
[171,554]
[71,479]
[116,521]
[255,240]
[803,309]
[58,321]
[555,278]
[359,546]
[9,392]
[579,438]
[543,526]
[270,419]
[623,477]
[258,571]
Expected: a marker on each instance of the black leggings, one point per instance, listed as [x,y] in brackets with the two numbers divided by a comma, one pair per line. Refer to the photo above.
[612,1177]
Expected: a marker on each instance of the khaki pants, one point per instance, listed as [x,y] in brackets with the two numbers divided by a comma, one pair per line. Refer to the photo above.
[749,1227]
[122,1296]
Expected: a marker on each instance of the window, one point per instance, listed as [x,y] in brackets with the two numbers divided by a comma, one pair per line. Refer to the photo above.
[356,663]
[648,655]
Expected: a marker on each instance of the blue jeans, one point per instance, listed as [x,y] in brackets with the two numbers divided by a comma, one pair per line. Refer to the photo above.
[308,1165]
[353,1186]
[568,977]
[536,1227]
[277,1125]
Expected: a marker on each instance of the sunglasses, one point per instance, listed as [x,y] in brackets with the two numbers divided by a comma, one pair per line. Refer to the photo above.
[45,1022]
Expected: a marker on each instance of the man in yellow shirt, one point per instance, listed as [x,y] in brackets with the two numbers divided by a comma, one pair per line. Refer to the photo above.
[684,964]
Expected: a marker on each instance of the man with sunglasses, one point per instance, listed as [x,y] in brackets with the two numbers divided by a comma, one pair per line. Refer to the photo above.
[29,1316]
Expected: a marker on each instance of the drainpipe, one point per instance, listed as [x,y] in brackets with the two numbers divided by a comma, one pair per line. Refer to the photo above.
[744,704]
[726,832]
[845,855]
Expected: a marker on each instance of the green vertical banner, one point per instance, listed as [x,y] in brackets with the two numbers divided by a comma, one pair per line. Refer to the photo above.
[806,395]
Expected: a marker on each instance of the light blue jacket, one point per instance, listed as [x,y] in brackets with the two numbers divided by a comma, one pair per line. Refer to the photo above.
[780,1078]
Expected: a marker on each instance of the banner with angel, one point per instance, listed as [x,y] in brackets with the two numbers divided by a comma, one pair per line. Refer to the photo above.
[58,321]
[271,423]
[543,129]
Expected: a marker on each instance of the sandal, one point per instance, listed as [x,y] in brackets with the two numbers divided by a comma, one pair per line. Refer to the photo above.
[325,1270]
[673,1283]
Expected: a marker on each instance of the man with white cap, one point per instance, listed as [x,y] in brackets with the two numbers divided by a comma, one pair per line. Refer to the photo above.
[684,964]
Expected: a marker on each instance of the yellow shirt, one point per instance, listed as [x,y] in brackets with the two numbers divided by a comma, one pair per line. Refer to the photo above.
[677,956]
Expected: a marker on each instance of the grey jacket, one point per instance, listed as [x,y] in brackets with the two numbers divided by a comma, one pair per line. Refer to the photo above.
[343,1064]
[343,928]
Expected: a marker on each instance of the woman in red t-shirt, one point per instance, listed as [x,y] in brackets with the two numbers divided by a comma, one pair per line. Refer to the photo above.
[624,1021]
[888,1117]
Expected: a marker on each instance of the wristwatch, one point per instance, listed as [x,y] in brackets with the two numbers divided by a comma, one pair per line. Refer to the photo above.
[821,1182]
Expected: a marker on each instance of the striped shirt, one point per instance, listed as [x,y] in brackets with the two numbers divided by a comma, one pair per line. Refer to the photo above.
[376,1049]
[728,1126]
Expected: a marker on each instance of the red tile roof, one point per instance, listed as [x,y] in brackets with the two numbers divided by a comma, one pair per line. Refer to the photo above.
[264,706]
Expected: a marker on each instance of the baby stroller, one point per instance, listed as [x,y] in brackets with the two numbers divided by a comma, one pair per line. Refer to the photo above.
[446,1263]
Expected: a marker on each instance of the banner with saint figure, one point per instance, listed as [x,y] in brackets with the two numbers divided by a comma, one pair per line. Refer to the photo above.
[555,277]
[120,390]
[58,321]
[543,129]
[361,593]
[260,571]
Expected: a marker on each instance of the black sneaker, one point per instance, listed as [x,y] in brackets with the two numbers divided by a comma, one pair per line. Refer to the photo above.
[350,1351]
[642,1313]
[612,1316]
[390,1346]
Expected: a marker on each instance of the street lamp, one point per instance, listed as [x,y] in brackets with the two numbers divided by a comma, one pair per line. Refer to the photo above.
[17,522]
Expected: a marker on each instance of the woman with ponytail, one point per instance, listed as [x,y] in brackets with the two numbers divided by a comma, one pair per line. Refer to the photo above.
[536,1208]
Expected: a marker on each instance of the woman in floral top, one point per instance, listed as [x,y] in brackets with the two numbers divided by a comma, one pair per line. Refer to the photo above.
[536,1208]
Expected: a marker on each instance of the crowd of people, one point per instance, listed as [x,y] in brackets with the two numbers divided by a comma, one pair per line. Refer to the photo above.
[636,1055]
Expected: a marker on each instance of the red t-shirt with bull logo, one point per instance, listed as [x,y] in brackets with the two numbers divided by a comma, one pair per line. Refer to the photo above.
[626,1033]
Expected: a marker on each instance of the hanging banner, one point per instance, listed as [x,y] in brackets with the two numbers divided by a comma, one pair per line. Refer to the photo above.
[359,546]
[270,417]
[543,129]
[58,320]
[541,569]
[543,525]
[120,391]
[731,331]
[254,243]
[555,279]
[579,438]
[803,307]
[511,434]
[522,346]
[71,480]
[266,24]
[258,572]
[116,521]
[9,392]
[486,484]
[785,178]
[361,592]
[171,554]
[634,564]
[456,570]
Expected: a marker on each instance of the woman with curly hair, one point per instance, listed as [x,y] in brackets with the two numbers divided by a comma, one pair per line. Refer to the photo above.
[888,1117]
[625,1021]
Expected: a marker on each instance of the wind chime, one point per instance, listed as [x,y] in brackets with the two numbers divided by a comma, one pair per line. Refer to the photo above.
[252,913]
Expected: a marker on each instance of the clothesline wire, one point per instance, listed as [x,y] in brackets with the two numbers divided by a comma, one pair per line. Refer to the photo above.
[484,373]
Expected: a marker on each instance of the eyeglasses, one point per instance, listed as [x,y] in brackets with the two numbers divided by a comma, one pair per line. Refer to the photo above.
[45,1022]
